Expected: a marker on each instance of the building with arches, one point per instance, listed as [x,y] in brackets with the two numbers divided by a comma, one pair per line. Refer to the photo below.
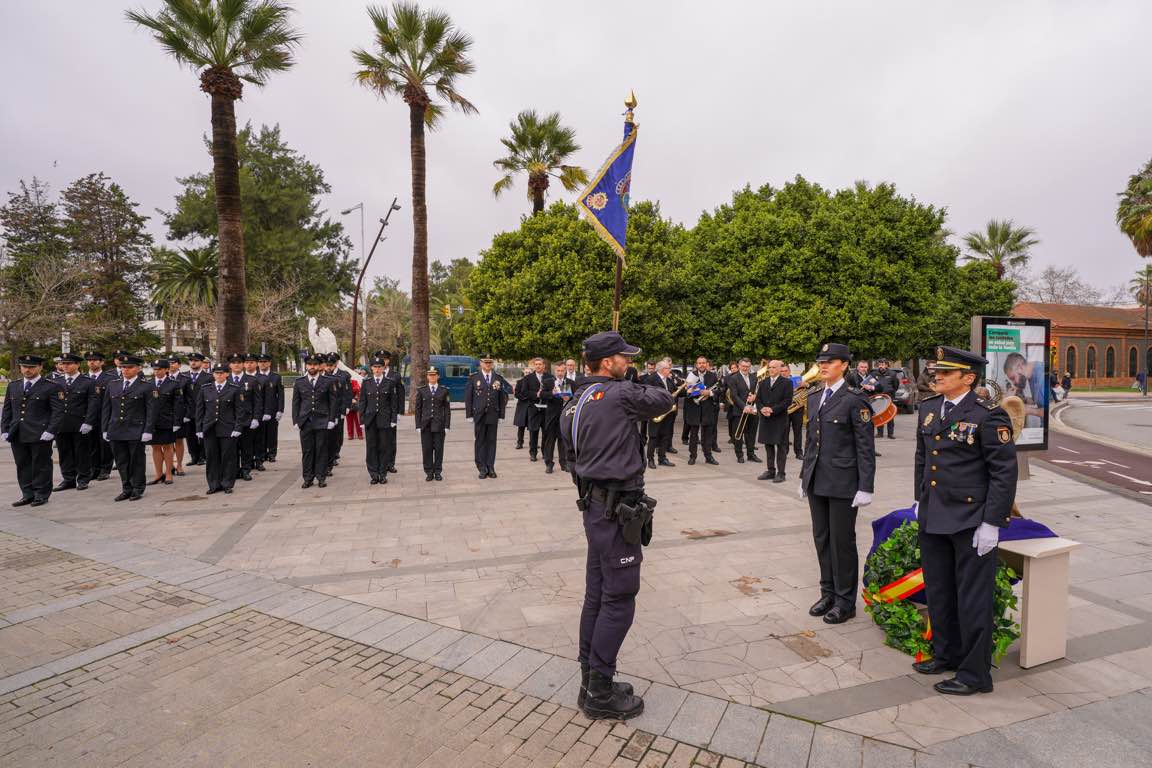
[1101,346]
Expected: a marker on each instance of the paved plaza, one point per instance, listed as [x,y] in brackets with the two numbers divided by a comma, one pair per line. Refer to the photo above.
[435,623]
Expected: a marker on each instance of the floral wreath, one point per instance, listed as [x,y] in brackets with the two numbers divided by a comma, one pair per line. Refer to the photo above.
[892,575]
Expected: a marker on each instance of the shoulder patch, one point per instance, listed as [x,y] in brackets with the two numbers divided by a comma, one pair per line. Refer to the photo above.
[865,414]
[1004,434]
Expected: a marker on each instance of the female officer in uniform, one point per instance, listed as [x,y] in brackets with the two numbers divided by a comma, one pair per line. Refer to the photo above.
[607,460]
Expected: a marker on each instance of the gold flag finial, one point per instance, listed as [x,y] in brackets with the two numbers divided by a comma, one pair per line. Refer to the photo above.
[630,103]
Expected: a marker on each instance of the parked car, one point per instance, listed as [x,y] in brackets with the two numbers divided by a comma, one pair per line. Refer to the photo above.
[454,373]
[906,397]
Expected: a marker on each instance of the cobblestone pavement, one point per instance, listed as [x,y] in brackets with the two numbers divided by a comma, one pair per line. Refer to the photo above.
[482,580]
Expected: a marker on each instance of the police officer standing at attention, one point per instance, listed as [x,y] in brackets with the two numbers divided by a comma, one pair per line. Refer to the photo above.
[197,377]
[219,418]
[78,423]
[433,420]
[273,406]
[378,416]
[390,372]
[965,486]
[484,402]
[128,421]
[599,432]
[101,449]
[315,401]
[33,407]
[837,477]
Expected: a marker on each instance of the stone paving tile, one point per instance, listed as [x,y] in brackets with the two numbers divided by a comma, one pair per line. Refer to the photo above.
[786,743]
[740,732]
[696,720]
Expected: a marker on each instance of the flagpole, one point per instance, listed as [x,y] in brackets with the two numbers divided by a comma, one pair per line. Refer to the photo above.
[629,124]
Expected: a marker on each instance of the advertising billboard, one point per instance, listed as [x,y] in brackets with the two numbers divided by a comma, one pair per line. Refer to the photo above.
[1018,361]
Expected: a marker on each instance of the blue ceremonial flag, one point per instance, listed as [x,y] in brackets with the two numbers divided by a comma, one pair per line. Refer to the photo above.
[605,201]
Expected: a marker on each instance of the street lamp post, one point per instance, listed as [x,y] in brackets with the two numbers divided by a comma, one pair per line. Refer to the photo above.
[359,207]
[364,270]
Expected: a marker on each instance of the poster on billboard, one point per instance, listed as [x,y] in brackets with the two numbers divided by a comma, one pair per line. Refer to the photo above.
[1017,353]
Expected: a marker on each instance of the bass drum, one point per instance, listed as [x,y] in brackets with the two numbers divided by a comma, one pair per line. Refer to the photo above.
[883,409]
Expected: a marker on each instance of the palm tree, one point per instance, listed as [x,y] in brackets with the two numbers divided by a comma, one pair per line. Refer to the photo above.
[228,42]
[1141,286]
[417,53]
[184,284]
[539,148]
[1004,245]
[1134,213]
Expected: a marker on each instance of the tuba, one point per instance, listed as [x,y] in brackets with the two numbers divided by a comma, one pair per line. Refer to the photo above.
[800,396]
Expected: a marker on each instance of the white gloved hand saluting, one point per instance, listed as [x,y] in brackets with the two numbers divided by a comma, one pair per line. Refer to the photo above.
[85,428]
[985,539]
[861,499]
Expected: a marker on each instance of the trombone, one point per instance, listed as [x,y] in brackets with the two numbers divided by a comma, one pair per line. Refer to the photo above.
[675,395]
[738,435]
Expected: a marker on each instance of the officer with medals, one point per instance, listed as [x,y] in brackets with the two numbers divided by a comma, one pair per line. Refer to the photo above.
[33,408]
[220,413]
[598,431]
[965,485]
[485,400]
[837,477]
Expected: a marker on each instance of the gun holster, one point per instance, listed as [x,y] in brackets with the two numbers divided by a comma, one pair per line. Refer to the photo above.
[635,520]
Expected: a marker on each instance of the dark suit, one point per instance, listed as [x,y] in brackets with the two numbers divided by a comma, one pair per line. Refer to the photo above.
[192,385]
[81,406]
[701,418]
[520,414]
[839,460]
[341,405]
[739,388]
[774,429]
[273,406]
[129,412]
[218,415]
[433,419]
[26,416]
[533,393]
[960,485]
[484,403]
[554,405]
[170,403]
[313,406]
[377,416]
[252,408]
[101,448]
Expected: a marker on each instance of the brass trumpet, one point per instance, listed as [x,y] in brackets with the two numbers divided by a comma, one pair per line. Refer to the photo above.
[672,410]
[800,396]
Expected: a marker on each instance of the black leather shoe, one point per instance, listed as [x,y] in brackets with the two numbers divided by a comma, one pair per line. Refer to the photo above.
[519,446]
[752,457]
[375,480]
[779,479]
[227,490]
[123,497]
[877,453]
[800,457]
[103,476]
[214,490]
[548,470]
[38,502]
[428,477]
[672,450]
[25,502]
[482,474]
[306,484]
[739,459]
[136,497]
[691,460]
[492,474]
[155,481]
[383,479]
[710,460]
[322,483]
[891,437]
[766,475]
[393,469]
[438,476]
[821,606]
[245,475]
[533,458]
[65,486]
[651,463]
[271,459]
[81,486]
[954,687]
[933,667]
[260,466]
[604,701]
[839,615]
[666,463]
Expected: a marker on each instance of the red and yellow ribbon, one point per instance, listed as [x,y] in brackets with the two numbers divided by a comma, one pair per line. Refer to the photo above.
[901,589]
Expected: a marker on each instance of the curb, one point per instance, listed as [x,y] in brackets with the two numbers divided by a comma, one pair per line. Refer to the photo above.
[1058,425]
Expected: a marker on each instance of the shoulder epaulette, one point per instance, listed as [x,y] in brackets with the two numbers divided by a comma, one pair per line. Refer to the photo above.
[989,404]
[855,390]
[933,396]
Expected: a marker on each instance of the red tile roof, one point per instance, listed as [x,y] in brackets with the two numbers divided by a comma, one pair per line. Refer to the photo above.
[1077,316]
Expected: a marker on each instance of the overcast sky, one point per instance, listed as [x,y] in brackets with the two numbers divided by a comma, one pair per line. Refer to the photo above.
[1034,111]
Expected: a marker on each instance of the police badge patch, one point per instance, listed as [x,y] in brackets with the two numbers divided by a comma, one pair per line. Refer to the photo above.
[928,418]
[865,415]
[1004,433]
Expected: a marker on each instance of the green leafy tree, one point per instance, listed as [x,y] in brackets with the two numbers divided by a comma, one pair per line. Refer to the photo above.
[288,239]
[31,226]
[1004,245]
[184,284]
[228,42]
[1134,212]
[539,147]
[417,54]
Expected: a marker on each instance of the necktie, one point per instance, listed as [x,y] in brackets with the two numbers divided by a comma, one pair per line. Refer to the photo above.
[219,387]
[827,394]
[27,385]
[487,379]
[948,406]
[68,380]
[433,390]
[377,382]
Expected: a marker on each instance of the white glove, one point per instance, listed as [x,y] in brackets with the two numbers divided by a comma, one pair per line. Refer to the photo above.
[279,415]
[254,423]
[915,509]
[393,424]
[47,436]
[186,419]
[331,424]
[85,428]
[800,491]
[106,438]
[200,435]
[146,437]
[468,418]
[4,437]
[266,417]
[985,539]
[417,429]
[235,434]
[446,429]
[861,499]
[176,429]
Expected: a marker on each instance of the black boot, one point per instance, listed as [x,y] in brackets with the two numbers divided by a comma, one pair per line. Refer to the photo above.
[624,688]
[604,702]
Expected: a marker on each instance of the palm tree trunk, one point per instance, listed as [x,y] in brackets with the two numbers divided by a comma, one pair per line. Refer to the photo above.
[419,350]
[537,201]
[231,304]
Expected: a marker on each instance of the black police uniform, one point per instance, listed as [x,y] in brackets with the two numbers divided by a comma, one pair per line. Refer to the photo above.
[274,408]
[220,411]
[965,475]
[251,410]
[485,400]
[378,416]
[607,463]
[400,404]
[520,412]
[30,410]
[839,461]
[260,441]
[129,413]
[433,419]
[194,381]
[314,406]
[81,407]
[336,436]
[170,403]
[101,448]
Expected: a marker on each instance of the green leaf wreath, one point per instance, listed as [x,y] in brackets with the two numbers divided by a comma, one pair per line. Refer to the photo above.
[903,622]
